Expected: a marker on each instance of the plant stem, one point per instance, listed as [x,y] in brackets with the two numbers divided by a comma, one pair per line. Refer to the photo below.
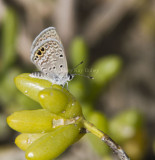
[104,137]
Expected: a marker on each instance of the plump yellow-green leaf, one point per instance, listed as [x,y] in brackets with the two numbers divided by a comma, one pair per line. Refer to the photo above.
[55,100]
[34,121]
[53,144]
[55,86]
[24,140]
[73,109]
[31,86]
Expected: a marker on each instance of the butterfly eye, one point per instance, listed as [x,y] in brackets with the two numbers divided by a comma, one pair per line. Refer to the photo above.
[61,55]
[61,66]
[70,77]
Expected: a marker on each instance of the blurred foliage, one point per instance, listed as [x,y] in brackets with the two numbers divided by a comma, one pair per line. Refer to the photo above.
[10,98]
[79,52]
[9,35]
[125,127]
[10,67]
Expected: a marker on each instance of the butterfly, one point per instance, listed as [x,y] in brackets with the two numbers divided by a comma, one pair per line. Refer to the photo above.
[47,54]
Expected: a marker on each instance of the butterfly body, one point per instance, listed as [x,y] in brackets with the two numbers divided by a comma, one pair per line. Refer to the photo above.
[47,53]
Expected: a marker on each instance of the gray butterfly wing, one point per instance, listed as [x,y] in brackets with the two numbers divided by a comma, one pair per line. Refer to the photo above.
[48,33]
[49,58]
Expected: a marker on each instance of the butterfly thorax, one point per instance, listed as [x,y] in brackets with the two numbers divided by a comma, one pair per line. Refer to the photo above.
[54,79]
[61,80]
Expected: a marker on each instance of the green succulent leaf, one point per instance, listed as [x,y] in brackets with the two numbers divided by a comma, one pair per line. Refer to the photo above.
[35,121]
[31,86]
[53,144]
[24,140]
[55,100]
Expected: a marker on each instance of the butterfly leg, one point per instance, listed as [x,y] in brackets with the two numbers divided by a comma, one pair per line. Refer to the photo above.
[66,85]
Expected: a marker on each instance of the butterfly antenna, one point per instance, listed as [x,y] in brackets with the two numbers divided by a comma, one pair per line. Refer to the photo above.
[84,76]
[76,66]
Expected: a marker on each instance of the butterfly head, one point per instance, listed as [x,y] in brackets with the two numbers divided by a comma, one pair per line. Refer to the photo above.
[70,76]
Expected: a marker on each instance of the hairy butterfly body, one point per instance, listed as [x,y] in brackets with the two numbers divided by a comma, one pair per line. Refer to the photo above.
[47,53]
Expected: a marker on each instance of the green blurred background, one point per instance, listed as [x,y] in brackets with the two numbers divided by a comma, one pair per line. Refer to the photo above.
[116,41]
